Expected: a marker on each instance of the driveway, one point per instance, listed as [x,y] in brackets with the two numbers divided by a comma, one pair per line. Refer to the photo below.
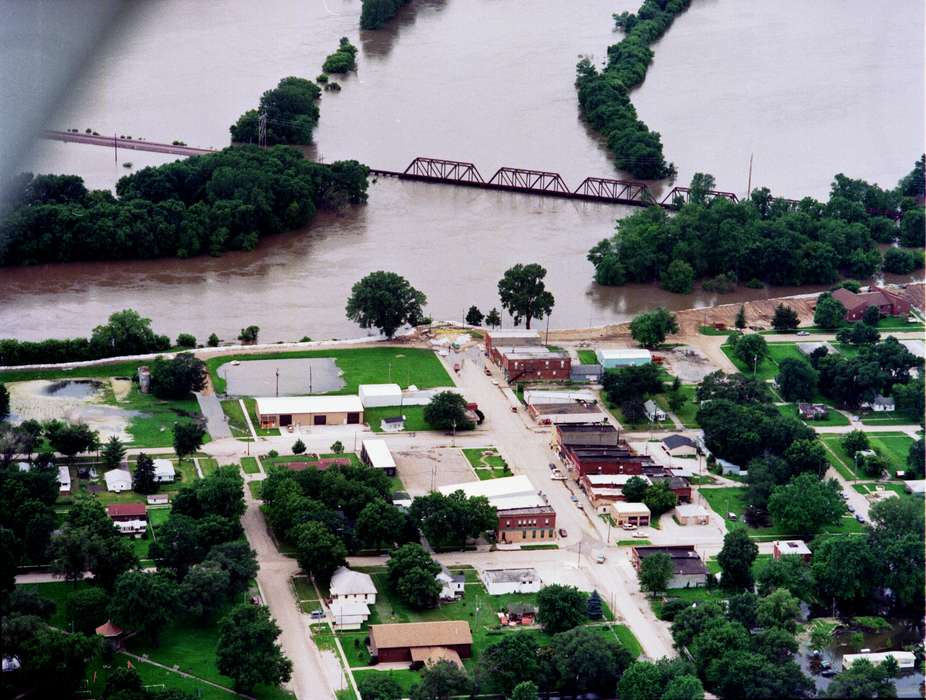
[216,422]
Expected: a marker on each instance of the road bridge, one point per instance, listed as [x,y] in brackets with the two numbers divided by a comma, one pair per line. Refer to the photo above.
[129,144]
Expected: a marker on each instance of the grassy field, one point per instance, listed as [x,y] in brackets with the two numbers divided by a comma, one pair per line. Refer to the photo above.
[893,446]
[731,499]
[154,427]
[690,595]
[487,463]
[236,420]
[208,465]
[687,414]
[872,487]
[249,465]
[587,357]
[645,425]
[710,330]
[57,591]
[768,367]
[414,417]
[887,419]
[119,369]
[406,679]
[376,365]
[833,417]
[284,459]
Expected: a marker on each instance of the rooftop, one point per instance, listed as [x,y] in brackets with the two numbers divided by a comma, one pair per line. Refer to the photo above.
[377,451]
[685,560]
[347,582]
[623,353]
[379,389]
[674,441]
[541,396]
[793,547]
[308,404]
[612,479]
[513,333]
[509,575]
[421,634]
[689,510]
[587,428]
[117,510]
[550,409]
[630,508]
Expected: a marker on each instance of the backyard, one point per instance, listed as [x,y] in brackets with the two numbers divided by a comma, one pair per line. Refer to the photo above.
[833,417]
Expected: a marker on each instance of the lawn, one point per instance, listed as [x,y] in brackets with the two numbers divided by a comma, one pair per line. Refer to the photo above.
[833,417]
[690,595]
[487,463]
[887,419]
[254,487]
[154,426]
[893,446]
[768,367]
[872,487]
[57,591]
[406,679]
[207,465]
[414,417]
[304,589]
[841,461]
[236,419]
[249,464]
[587,357]
[710,330]
[645,425]
[376,365]
[633,543]
[286,459]
[251,406]
[687,414]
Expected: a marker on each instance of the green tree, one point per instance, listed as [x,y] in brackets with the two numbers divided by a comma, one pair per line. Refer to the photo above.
[298,447]
[68,554]
[213,341]
[910,399]
[650,328]
[185,340]
[635,489]
[4,402]
[854,441]
[916,458]
[863,680]
[898,262]
[441,681]
[407,557]
[829,312]
[593,608]
[447,411]
[143,602]
[108,557]
[797,380]
[143,480]
[204,589]
[418,588]
[805,504]
[842,569]
[379,686]
[379,523]
[678,277]
[751,349]
[858,334]
[636,382]
[247,651]
[337,447]
[127,333]
[790,572]
[560,608]
[779,609]
[248,335]
[493,319]
[659,498]
[474,316]
[448,520]
[177,377]
[525,690]
[123,682]
[743,608]
[736,558]
[69,439]
[737,388]
[587,661]
[523,293]
[740,321]
[188,438]
[113,452]
[785,319]
[510,661]
[86,609]
[385,301]
[239,560]
[745,674]
[686,687]
[806,456]
[376,13]
[655,572]
[318,551]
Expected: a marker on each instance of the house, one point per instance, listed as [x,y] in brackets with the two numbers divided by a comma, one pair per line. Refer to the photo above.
[452,585]
[572,412]
[590,374]
[691,514]
[523,514]
[881,404]
[504,581]
[64,481]
[727,468]
[688,571]
[118,480]
[376,454]
[392,424]
[625,513]
[521,614]
[356,586]
[623,357]
[129,518]
[164,471]
[679,445]
[653,412]
[283,411]
[798,548]
[887,303]
[428,642]
[349,614]
[813,411]
[158,499]
[379,395]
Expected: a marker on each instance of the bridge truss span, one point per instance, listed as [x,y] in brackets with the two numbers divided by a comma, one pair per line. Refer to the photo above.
[684,194]
[609,190]
[529,180]
[444,170]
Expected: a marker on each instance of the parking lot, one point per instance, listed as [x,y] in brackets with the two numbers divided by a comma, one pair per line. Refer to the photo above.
[427,469]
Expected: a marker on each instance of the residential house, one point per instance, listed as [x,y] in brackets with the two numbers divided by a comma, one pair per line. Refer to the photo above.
[688,571]
[521,614]
[857,303]
[349,614]
[453,586]
[653,412]
[129,518]
[504,581]
[813,411]
[625,513]
[798,548]
[881,404]
[118,480]
[727,468]
[164,472]
[64,481]
[352,586]
[428,642]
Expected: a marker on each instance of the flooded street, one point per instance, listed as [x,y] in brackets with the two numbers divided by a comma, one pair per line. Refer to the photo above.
[481,81]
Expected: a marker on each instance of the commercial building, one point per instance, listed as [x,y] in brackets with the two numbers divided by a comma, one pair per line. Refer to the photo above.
[625,513]
[516,337]
[505,581]
[589,434]
[688,571]
[584,460]
[376,454]
[797,548]
[536,397]
[691,514]
[64,481]
[427,642]
[573,412]
[622,357]
[523,514]
[377,395]
[118,480]
[164,472]
[680,486]
[603,490]
[283,411]
[887,303]
[352,586]
[679,445]
[591,374]
[532,363]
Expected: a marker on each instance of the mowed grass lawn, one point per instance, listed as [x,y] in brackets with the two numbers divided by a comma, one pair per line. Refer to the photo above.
[687,414]
[487,463]
[414,417]
[376,365]
[732,499]
[833,417]
[236,421]
[587,357]
[893,446]
[768,367]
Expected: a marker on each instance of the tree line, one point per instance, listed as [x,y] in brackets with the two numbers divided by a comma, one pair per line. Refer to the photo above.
[765,240]
[201,205]
[604,95]
[290,111]
[376,13]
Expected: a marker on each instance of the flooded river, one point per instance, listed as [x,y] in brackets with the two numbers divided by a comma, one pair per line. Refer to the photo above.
[809,92]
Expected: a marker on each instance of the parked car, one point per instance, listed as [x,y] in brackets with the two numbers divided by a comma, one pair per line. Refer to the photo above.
[562,532]
[803,333]
[317,614]
[629,526]
[572,497]
[731,516]
[600,558]
[639,535]
[851,508]
[859,518]
[557,475]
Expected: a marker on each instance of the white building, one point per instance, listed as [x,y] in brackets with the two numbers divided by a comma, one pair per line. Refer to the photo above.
[537,397]
[352,586]
[502,581]
[164,472]
[904,659]
[505,494]
[691,514]
[452,585]
[158,499]
[377,395]
[118,480]
[376,454]
[622,357]
[64,481]
[881,404]
[135,528]
[392,424]
[349,614]
[653,412]
[730,468]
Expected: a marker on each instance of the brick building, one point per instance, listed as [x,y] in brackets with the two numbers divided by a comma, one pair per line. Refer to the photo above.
[422,641]
[526,524]
[888,303]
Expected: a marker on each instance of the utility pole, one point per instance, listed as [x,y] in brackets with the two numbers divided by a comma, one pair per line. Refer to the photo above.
[262,130]
[115,148]
[749,180]
[278,382]
[547,340]
[310,376]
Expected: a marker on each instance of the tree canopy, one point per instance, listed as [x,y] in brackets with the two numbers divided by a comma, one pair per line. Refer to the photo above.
[290,110]
[385,301]
[523,293]
[650,328]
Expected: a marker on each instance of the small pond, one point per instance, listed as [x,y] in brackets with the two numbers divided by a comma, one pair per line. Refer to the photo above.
[293,377]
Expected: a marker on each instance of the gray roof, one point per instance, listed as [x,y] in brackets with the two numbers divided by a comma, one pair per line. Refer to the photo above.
[673,441]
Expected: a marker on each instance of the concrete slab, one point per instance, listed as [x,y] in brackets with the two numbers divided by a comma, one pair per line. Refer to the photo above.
[424,470]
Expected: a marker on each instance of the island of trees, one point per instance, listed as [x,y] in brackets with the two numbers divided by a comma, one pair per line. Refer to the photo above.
[291,113]
[764,239]
[604,95]
[202,205]
[376,13]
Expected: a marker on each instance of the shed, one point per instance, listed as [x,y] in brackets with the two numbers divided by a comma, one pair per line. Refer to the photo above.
[118,480]
[164,471]
[730,468]
[64,481]
[622,357]
[283,411]
[798,548]
[377,395]
[158,499]
[392,424]
[376,454]
[502,581]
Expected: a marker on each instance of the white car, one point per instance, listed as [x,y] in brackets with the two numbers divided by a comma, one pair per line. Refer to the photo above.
[557,475]
[803,333]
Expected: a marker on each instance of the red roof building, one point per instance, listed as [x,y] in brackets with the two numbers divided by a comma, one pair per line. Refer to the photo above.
[127,511]
[888,303]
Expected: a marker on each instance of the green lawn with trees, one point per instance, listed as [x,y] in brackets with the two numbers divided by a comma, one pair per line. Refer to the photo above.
[833,417]
[414,417]
[587,357]
[487,463]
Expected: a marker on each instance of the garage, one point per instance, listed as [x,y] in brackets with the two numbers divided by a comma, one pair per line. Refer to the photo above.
[284,411]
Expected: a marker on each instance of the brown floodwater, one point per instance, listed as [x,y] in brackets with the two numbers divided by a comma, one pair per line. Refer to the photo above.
[808,91]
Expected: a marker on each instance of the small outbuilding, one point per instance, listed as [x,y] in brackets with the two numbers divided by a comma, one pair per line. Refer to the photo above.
[622,357]
[64,481]
[653,412]
[158,499]
[164,472]
[502,581]
[691,514]
[376,454]
[378,395]
[118,480]
[679,445]
[452,585]
[797,548]
[392,424]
